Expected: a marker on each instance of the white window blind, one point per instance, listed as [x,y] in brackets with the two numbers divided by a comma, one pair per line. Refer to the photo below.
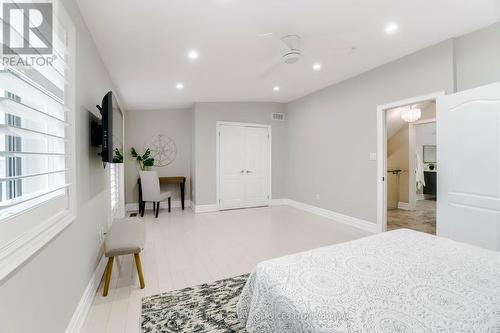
[114,173]
[37,176]
[34,129]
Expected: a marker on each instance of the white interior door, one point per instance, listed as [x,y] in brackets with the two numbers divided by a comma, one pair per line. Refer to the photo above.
[243,166]
[468,137]
[231,167]
[257,166]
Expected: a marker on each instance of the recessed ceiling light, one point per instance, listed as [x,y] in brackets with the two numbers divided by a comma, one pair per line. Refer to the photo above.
[276,88]
[193,55]
[317,66]
[179,86]
[391,28]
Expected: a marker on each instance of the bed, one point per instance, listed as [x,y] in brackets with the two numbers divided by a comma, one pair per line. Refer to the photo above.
[399,281]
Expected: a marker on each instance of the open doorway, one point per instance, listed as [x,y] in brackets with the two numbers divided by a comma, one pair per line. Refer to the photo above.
[407,166]
[412,168]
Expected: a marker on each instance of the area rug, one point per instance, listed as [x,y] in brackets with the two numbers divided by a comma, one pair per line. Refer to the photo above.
[209,307]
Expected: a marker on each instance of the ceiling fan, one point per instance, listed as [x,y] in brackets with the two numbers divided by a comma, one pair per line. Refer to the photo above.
[292,52]
[290,56]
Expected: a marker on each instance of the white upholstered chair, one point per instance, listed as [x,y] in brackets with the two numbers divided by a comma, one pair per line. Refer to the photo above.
[150,184]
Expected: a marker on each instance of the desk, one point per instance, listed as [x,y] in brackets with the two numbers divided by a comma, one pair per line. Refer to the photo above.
[166,180]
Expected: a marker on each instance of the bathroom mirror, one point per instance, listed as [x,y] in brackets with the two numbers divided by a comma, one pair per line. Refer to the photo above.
[429,154]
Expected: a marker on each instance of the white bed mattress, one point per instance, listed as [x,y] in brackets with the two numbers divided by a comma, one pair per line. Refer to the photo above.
[399,281]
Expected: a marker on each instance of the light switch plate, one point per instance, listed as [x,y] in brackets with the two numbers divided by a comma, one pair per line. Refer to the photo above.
[373,156]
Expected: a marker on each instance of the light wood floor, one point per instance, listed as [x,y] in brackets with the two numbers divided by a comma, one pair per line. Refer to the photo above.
[183,249]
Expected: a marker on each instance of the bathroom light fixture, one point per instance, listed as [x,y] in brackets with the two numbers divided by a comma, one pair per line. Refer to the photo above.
[276,88]
[179,86]
[410,114]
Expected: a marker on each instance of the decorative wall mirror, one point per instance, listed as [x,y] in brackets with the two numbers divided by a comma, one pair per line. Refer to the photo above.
[430,154]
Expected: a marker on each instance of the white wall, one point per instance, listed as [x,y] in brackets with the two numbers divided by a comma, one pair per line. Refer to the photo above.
[330,133]
[140,126]
[205,117]
[477,58]
[43,294]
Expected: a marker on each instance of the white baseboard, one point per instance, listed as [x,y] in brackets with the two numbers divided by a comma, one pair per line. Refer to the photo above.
[404,205]
[277,202]
[213,207]
[76,323]
[130,207]
[349,220]
[425,197]
[205,208]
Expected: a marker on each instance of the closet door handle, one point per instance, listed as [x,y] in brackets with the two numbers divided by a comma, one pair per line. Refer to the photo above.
[248,171]
[242,171]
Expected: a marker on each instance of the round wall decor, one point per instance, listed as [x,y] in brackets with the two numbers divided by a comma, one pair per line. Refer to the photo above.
[163,149]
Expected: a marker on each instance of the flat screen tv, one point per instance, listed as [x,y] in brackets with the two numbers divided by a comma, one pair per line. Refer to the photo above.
[109,133]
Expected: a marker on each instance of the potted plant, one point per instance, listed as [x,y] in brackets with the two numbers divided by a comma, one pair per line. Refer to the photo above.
[118,156]
[145,160]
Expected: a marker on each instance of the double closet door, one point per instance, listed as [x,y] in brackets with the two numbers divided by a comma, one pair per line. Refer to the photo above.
[243,165]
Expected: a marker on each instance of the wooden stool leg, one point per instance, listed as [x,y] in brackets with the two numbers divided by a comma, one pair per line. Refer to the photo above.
[109,268]
[169,201]
[139,269]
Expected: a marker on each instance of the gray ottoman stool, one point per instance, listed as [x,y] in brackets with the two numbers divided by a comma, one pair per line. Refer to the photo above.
[126,236]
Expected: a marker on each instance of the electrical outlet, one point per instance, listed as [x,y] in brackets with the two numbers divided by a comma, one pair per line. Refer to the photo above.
[318,197]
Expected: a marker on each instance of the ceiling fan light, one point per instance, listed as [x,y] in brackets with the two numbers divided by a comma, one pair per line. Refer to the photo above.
[291,57]
[411,115]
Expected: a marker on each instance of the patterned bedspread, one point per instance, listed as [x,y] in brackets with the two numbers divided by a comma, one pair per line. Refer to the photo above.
[399,281]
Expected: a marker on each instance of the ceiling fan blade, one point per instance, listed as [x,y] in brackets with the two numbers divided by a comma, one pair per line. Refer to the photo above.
[267,71]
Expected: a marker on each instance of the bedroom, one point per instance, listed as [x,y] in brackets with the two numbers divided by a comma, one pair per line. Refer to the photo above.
[274,105]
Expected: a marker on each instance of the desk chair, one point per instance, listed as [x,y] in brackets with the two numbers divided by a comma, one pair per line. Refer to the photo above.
[151,191]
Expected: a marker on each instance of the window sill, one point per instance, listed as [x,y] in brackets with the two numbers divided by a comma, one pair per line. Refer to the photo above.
[17,252]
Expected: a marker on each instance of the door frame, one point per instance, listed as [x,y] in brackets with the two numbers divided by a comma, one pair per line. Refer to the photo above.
[382,152]
[218,125]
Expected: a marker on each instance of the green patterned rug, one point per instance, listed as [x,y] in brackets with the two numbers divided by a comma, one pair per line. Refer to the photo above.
[209,307]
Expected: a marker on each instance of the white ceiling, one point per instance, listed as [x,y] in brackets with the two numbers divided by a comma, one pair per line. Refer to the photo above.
[144,43]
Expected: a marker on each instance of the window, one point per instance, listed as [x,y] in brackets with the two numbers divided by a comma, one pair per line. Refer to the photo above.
[13,165]
[34,148]
[37,195]
[114,174]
